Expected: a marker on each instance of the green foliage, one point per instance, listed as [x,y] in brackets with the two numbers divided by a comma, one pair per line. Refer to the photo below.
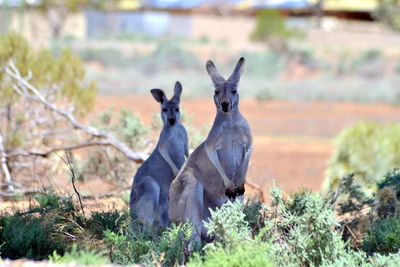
[303,230]
[366,149]
[383,237]
[391,179]
[350,196]
[113,220]
[28,237]
[65,71]
[234,244]
[272,30]
[138,247]
[228,224]
[79,256]
[253,211]
[247,253]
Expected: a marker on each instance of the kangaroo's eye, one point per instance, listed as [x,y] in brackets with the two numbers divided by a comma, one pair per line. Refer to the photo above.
[234,91]
[177,109]
[164,110]
[216,92]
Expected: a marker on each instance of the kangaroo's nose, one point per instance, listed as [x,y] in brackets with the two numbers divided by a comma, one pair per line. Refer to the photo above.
[171,121]
[225,106]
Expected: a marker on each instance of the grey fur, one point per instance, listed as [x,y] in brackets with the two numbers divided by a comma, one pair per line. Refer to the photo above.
[216,170]
[150,187]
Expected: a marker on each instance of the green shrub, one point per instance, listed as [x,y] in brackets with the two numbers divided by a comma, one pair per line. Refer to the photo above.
[383,237]
[247,253]
[391,179]
[303,230]
[113,221]
[28,237]
[271,29]
[228,225]
[82,257]
[138,247]
[234,244]
[253,211]
[366,149]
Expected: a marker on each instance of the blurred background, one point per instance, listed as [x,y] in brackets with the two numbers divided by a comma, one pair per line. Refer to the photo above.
[314,69]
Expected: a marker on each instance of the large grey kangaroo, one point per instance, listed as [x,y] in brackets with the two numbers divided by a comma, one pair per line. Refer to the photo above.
[216,170]
[150,187]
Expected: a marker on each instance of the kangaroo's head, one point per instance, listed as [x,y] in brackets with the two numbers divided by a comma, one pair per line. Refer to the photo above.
[226,97]
[170,113]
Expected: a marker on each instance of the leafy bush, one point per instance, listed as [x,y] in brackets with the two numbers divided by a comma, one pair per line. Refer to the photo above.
[113,221]
[82,257]
[250,253]
[138,247]
[28,237]
[41,229]
[391,179]
[366,149]
[228,224]
[234,244]
[383,237]
[254,214]
[271,29]
[66,71]
[303,230]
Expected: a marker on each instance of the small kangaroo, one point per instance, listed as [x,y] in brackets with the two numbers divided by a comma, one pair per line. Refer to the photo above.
[150,187]
[216,170]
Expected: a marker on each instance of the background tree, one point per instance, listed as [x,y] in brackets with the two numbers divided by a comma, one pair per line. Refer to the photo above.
[271,29]
[57,11]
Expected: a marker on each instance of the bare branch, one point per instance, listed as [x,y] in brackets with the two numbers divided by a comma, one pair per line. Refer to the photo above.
[26,89]
[55,149]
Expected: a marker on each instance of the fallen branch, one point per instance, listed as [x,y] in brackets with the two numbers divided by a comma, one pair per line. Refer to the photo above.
[45,154]
[26,89]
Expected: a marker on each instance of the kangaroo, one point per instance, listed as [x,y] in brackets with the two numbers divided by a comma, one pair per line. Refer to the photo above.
[216,170]
[150,187]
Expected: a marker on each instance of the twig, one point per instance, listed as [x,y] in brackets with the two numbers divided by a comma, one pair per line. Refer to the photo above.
[71,169]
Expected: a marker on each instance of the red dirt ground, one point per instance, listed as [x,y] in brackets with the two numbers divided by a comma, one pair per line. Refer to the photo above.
[292,140]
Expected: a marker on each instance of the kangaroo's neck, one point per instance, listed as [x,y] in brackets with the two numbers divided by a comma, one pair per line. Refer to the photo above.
[231,117]
[167,132]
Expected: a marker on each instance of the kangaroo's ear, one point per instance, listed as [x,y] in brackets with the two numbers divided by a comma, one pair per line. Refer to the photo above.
[237,72]
[158,95]
[215,76]
[177,90]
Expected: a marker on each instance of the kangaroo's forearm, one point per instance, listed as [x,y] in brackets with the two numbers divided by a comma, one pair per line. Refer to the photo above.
[164,154]
[213,157]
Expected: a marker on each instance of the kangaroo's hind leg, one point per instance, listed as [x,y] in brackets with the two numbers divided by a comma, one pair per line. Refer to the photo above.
[186,203]
[148,194]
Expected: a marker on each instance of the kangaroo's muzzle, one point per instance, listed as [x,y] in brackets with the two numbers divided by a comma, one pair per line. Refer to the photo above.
[226,106]
[171,121]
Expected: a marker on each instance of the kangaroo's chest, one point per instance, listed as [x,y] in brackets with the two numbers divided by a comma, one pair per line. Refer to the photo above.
[176,149]
[231,148]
